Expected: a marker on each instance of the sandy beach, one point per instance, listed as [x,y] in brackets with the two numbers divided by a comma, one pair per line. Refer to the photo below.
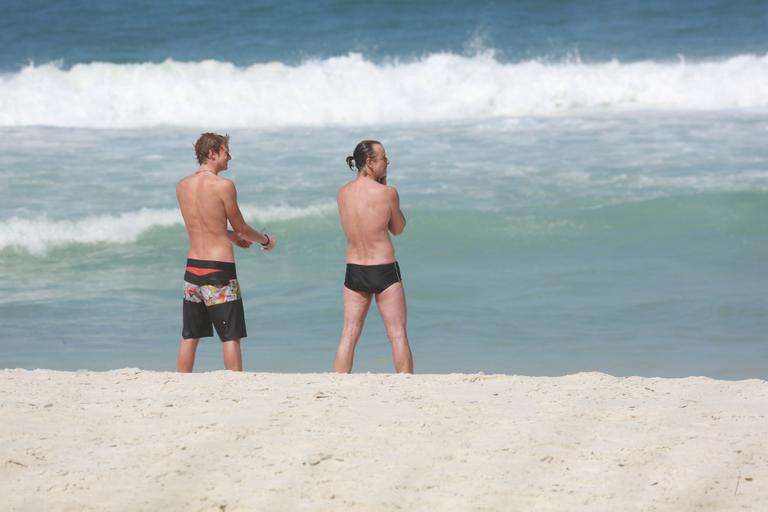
[137,440]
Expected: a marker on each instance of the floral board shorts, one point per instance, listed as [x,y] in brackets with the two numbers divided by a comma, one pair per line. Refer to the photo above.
[212,300]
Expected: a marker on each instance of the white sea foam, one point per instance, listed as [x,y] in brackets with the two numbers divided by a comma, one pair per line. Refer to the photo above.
[351,90]
[40,234]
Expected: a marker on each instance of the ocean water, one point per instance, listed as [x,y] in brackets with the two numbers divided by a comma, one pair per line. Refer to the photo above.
[586,185]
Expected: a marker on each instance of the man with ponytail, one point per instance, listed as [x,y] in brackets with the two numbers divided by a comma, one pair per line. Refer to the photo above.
[369,210]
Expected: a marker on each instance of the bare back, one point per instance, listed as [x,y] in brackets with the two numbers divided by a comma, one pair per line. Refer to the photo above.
[202,201]
[367,210]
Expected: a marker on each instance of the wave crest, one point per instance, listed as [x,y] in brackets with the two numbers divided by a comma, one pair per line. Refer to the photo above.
[351,90]
[40,234]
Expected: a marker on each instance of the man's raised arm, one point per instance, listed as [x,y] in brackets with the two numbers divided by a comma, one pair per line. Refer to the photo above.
[236,220]
[397,219]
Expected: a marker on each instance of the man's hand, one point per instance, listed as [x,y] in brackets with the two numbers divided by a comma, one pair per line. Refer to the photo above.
[238,240]
[242,242]
[270,245]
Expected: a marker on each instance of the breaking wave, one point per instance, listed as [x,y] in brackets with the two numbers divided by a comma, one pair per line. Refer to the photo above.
[352,90]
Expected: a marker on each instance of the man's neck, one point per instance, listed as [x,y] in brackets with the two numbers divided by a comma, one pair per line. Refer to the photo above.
[208,168]
[363,175]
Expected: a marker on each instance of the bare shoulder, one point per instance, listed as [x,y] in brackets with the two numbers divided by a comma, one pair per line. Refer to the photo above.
[224,182]
[343,189]
[182,186]
[223,185]
[183,181]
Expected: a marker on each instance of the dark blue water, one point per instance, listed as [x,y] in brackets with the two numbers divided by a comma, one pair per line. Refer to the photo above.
[247,32]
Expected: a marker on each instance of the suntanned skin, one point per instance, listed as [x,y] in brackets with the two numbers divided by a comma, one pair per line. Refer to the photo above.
[369,210]
[207,203]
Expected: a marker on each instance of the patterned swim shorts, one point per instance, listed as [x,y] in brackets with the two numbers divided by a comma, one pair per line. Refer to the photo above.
[212,300]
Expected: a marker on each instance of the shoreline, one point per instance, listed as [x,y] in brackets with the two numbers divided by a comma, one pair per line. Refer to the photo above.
[140,440]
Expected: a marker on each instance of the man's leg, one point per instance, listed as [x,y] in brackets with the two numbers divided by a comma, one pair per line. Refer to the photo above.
[391,303]
[356,306]
[233,358]
[186,358]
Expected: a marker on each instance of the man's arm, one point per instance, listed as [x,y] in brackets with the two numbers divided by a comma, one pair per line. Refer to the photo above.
[236,220]
[396,219]
[240,242]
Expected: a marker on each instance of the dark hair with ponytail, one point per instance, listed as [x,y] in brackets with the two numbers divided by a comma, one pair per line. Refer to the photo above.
[363,151]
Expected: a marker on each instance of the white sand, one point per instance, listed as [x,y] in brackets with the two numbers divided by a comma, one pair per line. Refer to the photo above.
[135,440]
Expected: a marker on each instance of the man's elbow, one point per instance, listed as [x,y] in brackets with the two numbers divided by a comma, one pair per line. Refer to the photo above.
[238,227]
[397,230]
[245,233]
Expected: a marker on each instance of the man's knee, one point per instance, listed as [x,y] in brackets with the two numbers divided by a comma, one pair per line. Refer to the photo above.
[397,335]
[352,329]
[349,340]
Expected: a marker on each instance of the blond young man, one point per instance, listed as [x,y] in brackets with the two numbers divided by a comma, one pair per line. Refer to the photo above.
[212,295]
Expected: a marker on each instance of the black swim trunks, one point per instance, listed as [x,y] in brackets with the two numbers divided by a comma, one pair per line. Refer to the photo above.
[372,278]
[212,296]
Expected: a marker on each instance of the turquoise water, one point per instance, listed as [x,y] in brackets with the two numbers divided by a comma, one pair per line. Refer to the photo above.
[578,197]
